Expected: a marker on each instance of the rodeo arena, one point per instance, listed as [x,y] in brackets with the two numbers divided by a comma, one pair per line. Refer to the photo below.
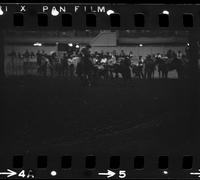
[98,91]
[98,54]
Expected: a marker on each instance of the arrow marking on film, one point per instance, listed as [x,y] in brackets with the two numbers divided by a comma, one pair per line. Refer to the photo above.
[195,173]
[9,173]
[108,174]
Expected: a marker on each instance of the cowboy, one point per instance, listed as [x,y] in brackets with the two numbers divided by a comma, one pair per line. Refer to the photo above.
[86,66]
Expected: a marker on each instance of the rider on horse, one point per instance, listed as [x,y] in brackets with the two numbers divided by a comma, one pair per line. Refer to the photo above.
[85,66]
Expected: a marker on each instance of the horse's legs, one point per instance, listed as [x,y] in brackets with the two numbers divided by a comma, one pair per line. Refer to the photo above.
[179,74]
[142,74]
[108,74]
[162,74]
[105,74]
[116,75]
[145,74]
[124,76]
[38,70]
[149,75]
[62,71]
[52,71]
[45,71]
[153,74]
[138,75]
[166,74]
[112,72]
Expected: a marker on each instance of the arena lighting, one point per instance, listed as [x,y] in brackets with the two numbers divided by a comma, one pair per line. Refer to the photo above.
[165,12]
[70,44]
[54,11]
[165,172]
[1,11]
[140,45]
[77,46]
[109,12]
[188,44]
[37,44]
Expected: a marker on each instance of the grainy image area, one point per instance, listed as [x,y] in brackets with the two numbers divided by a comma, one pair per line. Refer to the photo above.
[97,91]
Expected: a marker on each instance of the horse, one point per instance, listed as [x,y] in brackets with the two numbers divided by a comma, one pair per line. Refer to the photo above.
[149,68]
[162,68]
[125,69]
[179,66]
[165,66]
[122,68]
[85,70]
[137,70]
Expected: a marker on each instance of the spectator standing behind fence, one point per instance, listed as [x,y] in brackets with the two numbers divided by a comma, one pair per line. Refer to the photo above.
[71,67]
[44,62]
[26,67]
[106,63]
[12,56]
[39,60]
[64,64]
[126,73]
[140,67]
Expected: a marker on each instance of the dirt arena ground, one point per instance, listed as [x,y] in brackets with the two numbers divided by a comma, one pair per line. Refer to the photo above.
[112,116]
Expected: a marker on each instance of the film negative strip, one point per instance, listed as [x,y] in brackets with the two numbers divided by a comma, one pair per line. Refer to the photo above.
[99,91]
